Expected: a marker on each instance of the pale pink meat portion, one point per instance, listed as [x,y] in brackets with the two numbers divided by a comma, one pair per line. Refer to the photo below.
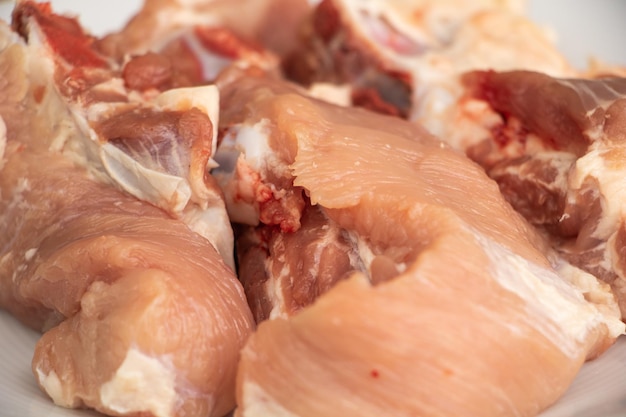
[556,153]
[107,277]
[140,314]
[153,137]
[455,305]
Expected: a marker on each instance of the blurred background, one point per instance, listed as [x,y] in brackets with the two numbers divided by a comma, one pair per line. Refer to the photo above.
[582,28]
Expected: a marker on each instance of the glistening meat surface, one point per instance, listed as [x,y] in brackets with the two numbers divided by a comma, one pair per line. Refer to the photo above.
[142,316]
[470,287]
[556,148]
[156,145]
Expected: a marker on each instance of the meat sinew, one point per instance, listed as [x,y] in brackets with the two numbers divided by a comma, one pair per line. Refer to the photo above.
[141,315]
[555,147]
[454,308]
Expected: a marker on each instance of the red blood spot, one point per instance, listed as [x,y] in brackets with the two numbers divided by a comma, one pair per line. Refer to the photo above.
[374,373]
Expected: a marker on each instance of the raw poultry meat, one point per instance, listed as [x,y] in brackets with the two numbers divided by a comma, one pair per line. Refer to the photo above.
[405,58]
[362,247]
[452,306]
[256,30]
[141,315]
[153,137]
[555,146]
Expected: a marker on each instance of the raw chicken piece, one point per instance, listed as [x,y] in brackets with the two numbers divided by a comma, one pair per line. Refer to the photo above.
[153,141]
[405,58]
[455,311]
[555,146]
[226,27]
[141,315]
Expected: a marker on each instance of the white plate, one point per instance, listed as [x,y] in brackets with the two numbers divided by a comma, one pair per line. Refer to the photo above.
[584,29]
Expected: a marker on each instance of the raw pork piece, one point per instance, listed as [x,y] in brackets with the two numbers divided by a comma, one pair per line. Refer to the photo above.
[556,147]
[405,58]
[142,316]
[454,308]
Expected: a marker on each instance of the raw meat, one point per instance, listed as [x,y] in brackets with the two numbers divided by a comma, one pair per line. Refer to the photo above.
[151,140]
[142,316]
[453,294]
[228,28]
[406,58]
[555,147]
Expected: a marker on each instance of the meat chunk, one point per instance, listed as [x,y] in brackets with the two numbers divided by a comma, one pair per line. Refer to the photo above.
[561,168]
[445,290]
[404,58]
[156,145]
[141,315]
[203,38]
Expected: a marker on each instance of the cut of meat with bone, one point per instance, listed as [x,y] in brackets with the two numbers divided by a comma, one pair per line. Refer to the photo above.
[272,22]
[156,145]
[440,274]
[561,167]
[142,316]
[405,58]
[204,37]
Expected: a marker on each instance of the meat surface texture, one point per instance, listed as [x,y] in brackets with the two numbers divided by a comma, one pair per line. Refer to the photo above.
[380,270]
[141,315]
[405,58]
[555,146]
[468,316]
[154,138]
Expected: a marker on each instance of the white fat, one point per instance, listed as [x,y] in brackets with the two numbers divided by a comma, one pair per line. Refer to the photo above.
[30,253]
[52,385]
[257,403]
[169,192]
[554,308]
[275,292]
[596,292]
[213,224]
[204,98]
[366,255]
[340,95]
[142,383]
[611,185]
[243,149]
[253,141]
